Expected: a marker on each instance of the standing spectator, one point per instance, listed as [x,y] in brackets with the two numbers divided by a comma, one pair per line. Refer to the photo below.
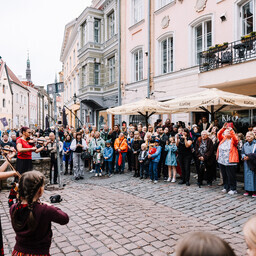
[162,167]
[113,135]
[254,131]
[142,134]
[121,149]
[108,157]
[240,145]
[150,129]
[158,124]
[5,141]
[143,160]
[135,146]
[227,156]
[184,142]
[170,160]
[53,151]
[78,145]
[195,135]
[104,133]
[154,160]
[204,125]
[174,130]
[13,141]
[129,152]
[68,155]
[249,174]
[98,160]
[168,125]
[205,154]
[95,142]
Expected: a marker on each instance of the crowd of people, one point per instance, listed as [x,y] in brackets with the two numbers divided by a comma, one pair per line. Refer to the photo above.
[154,152]
[163,151]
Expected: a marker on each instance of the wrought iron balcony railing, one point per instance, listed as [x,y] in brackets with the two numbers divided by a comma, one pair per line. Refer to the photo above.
[228,54]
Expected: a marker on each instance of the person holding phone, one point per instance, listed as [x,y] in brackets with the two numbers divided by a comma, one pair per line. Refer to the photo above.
[227,157]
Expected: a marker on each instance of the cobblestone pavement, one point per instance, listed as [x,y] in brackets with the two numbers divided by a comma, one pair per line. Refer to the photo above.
[123,215]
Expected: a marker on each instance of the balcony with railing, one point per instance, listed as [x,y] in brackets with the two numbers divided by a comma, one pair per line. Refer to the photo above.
[228,54]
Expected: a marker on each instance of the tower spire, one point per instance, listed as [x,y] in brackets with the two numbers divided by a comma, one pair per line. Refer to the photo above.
[28,70]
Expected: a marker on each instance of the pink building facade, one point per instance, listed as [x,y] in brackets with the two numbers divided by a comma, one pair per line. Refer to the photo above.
[180,31]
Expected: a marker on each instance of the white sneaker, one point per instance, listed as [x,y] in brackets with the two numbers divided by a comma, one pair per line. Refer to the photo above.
[232,192]
[155,181]
[100,174]
[169,179]
[173,181]
[96,174]
[224,190]
[92,170]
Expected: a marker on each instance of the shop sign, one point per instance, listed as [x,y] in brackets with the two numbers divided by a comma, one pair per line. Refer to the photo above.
[229,118]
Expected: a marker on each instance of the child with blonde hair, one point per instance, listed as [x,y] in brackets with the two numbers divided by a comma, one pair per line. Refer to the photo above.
[170,160]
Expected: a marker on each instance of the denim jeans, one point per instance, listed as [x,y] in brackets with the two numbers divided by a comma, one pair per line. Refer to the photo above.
[97,168]
[108,167]
[153,170]
[123,162]
[143,170]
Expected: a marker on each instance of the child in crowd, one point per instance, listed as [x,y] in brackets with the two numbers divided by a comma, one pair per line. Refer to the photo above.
[108,157]
[250,236]
[154,160]
[170,160]
[97,160]
[31,219]
[203,244]
[143,160]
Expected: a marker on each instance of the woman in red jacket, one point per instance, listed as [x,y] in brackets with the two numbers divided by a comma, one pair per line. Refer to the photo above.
[227,157]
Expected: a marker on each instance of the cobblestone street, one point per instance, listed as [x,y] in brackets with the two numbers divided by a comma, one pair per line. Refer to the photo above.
[123,215]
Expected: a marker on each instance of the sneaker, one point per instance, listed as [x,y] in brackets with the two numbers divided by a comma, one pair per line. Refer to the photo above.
[165,179]
[96,174]
[254,195]
[92,170]
[100,174]
[232,192]
[246,194]
[110,175]
[173,181]
[169,179]
[155,181]
[224,190]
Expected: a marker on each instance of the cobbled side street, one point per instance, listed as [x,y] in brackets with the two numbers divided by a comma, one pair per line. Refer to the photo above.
[123,215]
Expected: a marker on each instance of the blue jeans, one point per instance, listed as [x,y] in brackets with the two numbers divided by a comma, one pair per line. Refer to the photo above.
[108,167]
[153,170]
[123,161]
[97,167]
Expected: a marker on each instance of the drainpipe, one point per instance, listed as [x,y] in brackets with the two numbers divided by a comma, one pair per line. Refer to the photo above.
[119,55]
[149,45]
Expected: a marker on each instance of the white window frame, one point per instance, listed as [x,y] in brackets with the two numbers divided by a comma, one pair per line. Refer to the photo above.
[97,71]
[112,69]
[170,36]
[193,25]
[98,29]
[83,78]
[137,11]
[111,24]
[84,34]
[138,51]
[162,3]
[241,18]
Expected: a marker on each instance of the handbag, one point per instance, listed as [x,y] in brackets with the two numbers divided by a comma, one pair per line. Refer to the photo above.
[85,155]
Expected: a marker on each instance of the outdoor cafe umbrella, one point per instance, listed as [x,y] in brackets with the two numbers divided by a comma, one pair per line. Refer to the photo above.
[146,108]
[211,101]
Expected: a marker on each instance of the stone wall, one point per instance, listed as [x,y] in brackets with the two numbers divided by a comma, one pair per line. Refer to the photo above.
[40,164]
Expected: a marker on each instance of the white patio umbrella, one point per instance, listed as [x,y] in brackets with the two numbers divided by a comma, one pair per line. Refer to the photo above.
[146,107]
[210,101]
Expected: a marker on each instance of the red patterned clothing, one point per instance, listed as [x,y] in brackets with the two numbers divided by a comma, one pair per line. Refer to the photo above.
[15,253]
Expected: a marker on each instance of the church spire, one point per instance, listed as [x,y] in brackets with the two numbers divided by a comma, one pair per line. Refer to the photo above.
[28,70]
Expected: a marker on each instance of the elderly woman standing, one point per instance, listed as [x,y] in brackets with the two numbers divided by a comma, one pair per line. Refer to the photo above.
[249,175]
[227,156]
[205,154]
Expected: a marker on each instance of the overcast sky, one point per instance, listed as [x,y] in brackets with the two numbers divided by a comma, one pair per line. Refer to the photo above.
[37,26]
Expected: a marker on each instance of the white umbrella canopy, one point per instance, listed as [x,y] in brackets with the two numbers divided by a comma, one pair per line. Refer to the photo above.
[208,100]
[145,107]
